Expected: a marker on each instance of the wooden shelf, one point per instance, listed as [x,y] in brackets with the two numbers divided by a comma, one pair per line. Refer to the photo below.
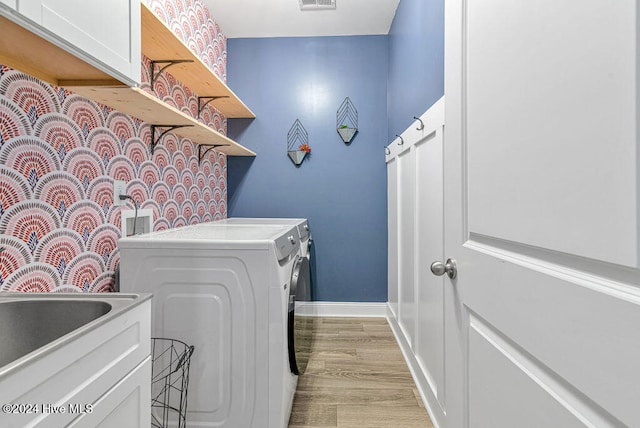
[159,43]
[30,53]
[24,49]
[138,103]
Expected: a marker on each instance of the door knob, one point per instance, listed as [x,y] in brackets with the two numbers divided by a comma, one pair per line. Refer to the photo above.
[439,268]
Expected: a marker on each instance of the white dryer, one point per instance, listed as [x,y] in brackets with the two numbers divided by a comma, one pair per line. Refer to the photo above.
[300,324]
[302,340]
[301,224]
[227,291]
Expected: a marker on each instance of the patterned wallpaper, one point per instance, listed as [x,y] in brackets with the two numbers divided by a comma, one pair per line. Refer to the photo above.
[59,155]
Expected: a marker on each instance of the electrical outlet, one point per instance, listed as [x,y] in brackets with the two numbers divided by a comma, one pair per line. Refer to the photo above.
[119,188]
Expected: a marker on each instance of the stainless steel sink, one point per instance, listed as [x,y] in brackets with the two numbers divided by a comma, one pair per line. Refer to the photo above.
[28,324]
[33,324]
[60,351]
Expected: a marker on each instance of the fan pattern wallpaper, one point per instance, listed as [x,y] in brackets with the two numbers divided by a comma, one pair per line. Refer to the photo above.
[59,155]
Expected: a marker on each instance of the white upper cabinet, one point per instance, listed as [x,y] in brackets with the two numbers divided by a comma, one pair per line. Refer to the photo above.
[106,35]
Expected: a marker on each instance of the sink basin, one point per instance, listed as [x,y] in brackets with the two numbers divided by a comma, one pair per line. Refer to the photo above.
[28,324]
[82,359]
[34,324]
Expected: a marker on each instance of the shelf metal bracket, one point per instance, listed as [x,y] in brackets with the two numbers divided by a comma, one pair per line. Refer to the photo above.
[209,147]
[208,100]
[169,62]
[155,141]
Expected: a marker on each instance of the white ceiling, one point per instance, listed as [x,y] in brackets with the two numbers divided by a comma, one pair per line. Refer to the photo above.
[283,18]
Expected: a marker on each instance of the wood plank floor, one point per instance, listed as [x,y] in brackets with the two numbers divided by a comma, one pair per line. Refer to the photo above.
[356,377]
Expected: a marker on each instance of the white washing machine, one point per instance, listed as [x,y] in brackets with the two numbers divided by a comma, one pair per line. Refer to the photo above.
[230,292]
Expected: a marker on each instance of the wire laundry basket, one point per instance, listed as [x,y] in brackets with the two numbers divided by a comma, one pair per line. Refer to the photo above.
[169,381]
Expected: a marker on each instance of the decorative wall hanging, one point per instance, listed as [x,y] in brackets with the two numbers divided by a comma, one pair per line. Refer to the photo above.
[297,143]
[347,121]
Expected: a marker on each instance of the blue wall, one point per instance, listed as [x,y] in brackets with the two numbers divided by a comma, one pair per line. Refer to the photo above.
[416,61]
[341,189]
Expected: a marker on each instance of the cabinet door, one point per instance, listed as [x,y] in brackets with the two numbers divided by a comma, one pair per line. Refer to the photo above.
[106,32]
[127,404]
[10,3]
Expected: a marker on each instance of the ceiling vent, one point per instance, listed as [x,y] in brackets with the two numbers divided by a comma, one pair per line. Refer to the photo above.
[317,4]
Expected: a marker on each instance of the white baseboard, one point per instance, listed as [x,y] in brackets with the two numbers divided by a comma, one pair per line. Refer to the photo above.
[428,399]
[342,309]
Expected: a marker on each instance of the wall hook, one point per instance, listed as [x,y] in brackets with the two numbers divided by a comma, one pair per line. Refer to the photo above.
[421,127]
[401,140]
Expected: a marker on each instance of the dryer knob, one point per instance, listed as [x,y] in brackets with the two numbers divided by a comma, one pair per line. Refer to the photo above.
[292,240]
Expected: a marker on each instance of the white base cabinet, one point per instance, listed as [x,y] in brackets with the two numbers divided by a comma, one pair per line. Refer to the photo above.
[101,378]
[415,203]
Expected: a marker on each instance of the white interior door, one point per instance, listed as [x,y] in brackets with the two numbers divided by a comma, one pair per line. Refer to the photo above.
[541,213]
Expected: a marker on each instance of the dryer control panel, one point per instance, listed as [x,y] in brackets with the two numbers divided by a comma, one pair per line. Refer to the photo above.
[287,244]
